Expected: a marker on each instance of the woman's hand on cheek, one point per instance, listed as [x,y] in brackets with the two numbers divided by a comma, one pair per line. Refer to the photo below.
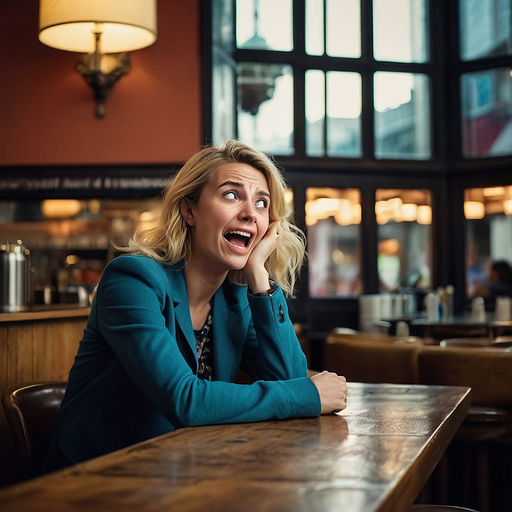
[255,272]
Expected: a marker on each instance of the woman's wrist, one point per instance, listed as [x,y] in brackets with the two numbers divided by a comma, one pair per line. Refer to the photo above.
[270,291]
[258,282]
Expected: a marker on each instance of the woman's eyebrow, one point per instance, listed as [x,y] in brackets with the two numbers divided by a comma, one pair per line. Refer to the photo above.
[238,184]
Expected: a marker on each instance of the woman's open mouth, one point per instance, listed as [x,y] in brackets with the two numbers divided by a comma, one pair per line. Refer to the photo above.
[239,239]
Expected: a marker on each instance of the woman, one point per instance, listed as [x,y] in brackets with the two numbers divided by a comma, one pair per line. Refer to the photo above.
[191,302]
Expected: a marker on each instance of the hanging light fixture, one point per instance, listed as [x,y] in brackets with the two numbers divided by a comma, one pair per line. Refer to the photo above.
[102,29]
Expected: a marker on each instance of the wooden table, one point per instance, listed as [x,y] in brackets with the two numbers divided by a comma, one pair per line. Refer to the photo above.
[375,456]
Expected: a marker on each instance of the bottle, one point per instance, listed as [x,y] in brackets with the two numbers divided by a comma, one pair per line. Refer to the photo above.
[478,310]
[402,329]
[432,306]
[502,310]
[15,277]
[450,292]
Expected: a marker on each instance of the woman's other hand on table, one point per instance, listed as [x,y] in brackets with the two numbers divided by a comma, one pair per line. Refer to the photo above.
[333,391]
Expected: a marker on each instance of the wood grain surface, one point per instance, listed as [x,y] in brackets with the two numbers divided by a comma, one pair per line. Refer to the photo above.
[375,456]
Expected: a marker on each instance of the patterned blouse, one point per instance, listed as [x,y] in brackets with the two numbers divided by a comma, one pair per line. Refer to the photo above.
[204,348]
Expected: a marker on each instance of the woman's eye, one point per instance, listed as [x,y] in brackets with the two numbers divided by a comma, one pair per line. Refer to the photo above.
[261,203]
[230,195]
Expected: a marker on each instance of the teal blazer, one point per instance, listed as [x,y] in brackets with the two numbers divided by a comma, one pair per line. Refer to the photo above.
[134,375]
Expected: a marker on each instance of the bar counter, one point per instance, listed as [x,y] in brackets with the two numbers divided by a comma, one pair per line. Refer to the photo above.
[36,345]
[50,312]
[373,457]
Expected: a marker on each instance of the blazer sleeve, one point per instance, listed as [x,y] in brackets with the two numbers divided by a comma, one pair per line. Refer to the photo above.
[135,316]
[272,349]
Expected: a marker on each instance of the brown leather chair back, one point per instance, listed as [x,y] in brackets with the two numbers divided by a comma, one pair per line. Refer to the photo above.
[487,370]
[29,409]
[365,357]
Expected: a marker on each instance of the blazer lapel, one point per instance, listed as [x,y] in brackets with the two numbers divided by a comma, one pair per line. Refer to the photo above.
[178,292]
[227,325]
[226,330]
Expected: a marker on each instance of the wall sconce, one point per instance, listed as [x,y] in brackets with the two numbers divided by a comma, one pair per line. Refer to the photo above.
[102,29]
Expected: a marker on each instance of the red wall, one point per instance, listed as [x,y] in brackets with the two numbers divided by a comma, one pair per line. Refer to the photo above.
[47,109]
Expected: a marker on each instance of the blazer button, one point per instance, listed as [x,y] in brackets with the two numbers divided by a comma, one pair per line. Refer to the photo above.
[281,314]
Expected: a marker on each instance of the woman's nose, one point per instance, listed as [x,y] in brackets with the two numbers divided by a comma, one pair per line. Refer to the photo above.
[248,214]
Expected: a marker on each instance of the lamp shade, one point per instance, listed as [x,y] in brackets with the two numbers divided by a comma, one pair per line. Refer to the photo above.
[125,25]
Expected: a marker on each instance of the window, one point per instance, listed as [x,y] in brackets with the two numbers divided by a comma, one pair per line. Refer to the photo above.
[486,94]
[333,113]
[265,112]
[402,120]
[485,29]
[488,213]
[333,218]
[404,219]
[486,98]
[400,30]
[302,71]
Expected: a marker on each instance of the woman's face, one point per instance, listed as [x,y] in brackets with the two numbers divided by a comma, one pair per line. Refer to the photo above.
[231,217]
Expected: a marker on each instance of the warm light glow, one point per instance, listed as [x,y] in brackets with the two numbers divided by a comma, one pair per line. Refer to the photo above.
[60,208]
[338,257]
[507,207]
[288,196]
[344,211]
[343,214]
[394,206]
[356,213]
[493,191]
[409,211]
[474,210]
[424,214]
[146,216]
[72,259]
[389,247]
[70,24]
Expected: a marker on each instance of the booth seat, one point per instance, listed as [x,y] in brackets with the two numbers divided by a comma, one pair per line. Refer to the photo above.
[366,357]
[485,367]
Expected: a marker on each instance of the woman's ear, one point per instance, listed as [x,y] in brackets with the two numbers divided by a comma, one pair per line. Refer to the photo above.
[187,211]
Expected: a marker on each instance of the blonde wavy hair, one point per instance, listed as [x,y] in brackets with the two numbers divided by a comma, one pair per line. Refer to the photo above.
[171,241]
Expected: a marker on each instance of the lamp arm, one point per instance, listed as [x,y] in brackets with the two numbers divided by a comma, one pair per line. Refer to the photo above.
[101,83]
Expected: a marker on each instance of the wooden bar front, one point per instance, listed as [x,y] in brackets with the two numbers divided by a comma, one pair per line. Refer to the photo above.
[35,346]
[374,457]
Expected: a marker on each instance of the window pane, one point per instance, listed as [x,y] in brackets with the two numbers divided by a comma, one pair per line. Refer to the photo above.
[402,115]
[400,30]
[404,220]
[264,24]
[343,28]
[222,24]
[485,28]
[315,112]
[486,113]
[343,126]
[343,114]
[488,213]
[265,107]
[315,27]
[223,98]
[333,217]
